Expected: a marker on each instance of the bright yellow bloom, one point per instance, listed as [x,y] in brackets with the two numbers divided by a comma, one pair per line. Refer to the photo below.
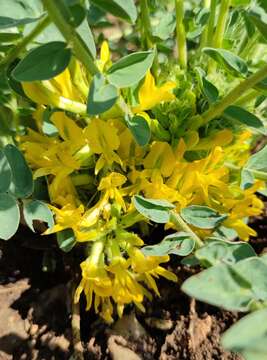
[160,157]
[110,184]
[240,206]
[104,56]
[103,139]
[58,92]
[97,287]
[68,217]
[150,95]
[52,155]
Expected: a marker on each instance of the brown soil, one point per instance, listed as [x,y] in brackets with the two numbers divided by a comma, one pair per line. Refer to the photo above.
[35,312]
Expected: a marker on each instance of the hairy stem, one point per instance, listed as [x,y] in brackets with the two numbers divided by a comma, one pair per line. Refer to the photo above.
[147,34]
[220,28]
[180,33]
[251,95]
[147,31]
[204,35]
[211,22]
[15,52]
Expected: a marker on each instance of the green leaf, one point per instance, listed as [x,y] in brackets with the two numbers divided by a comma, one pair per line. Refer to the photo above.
[9,216]
[5,173]
[15,13]
[237,113]
[43,62]
[37,210]
[66,240]
[179,244]
[237,287]
[49,34]
[208,89]
[130,69]
[124,9]
[256,166]
[87,37]
[248,336]
[21,180]
[258,161]
[259,18]
[139,128]
[228,60]
[165,27]
[102,96]
[202,216]
[215,252]
[155,210]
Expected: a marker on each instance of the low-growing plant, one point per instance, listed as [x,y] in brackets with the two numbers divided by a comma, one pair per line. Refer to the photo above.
[148,125]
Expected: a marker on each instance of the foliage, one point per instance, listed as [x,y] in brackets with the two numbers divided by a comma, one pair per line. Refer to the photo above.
[154,128]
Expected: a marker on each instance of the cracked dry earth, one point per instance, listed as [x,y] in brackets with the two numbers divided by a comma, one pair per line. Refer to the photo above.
[35,312]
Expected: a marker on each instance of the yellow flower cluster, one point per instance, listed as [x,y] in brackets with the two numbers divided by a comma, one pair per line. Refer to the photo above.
[102,158]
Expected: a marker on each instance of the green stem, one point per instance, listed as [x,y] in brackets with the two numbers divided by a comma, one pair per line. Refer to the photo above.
[252,94]
[180,33]
[55,10]
[147,30]
[211,22]
[219,32]
[14,52]
[220,28]
[234,95]
[147,34]
[182,225]
[204,35]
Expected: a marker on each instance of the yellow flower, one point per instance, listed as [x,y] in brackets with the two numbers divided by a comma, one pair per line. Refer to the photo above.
[240,206]
[97,287]
[103,139]
[104,56]
[160,157]
[148,267]
[150,95]
[58,92]
[54,156]
[68,217]
[110,184]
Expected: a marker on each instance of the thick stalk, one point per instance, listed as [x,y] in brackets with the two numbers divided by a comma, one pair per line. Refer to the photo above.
[180,33]
[251,95]
[234,95]
[14,52]
[220,28]
[211,22]
[204,35]
[147,34]
[69,33]
[181,225]
[219,32]
[147,30]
